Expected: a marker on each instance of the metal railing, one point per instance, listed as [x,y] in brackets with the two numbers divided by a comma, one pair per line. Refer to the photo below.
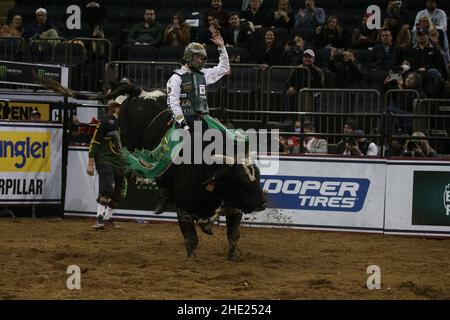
[276,85]
[12,48]
[401,99]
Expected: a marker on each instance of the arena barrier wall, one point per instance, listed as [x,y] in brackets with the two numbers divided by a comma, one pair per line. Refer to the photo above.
[418,198]
[30,163]
[317,193]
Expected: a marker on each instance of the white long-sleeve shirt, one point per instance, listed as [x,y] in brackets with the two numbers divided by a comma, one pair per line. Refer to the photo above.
[438,17]
[212,75]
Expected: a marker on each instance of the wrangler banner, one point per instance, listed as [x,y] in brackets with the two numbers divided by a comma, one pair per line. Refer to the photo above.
[22,73]
[30,163]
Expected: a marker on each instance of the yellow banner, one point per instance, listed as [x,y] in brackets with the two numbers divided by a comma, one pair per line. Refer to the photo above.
[21,110]
[25,151]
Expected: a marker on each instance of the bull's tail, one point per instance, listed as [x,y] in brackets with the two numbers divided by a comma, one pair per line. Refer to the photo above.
[55,86]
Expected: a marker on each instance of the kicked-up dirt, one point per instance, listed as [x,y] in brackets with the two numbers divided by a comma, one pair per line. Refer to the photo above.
[148,261]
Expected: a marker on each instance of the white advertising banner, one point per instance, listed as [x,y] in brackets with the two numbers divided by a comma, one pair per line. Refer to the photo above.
[418,198]
[325,193]
[30,167]
[82,192]
[305,192]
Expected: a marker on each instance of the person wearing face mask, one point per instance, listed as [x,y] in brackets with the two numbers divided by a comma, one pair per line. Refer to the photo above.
[402,103]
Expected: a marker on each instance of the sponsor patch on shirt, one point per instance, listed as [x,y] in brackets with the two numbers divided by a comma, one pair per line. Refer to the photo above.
[187,87]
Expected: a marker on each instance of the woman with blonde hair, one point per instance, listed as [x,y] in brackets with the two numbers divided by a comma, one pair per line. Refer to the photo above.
[424,23]
[422,144]
[283,16]
[330,35]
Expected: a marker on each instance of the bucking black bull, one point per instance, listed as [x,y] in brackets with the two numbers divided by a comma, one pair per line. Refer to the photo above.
[198,191]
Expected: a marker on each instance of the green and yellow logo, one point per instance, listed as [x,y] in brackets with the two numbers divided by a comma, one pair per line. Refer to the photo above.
[3,71]
[41,73]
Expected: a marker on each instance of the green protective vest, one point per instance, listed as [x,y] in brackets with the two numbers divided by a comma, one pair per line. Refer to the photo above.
[151,164]
[193,93]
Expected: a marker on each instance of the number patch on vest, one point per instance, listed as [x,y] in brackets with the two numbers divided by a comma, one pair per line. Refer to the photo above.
[202,89]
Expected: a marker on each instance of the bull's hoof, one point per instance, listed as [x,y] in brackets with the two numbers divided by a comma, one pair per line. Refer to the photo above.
[206,227]
[233,256]
[192,257]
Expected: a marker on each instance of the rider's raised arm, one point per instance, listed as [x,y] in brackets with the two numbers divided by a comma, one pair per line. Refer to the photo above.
[173,96]
[214,74]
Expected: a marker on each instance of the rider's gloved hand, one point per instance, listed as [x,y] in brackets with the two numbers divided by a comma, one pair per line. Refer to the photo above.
[181,123]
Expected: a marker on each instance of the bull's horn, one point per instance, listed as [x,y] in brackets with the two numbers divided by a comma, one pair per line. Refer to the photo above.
[225,159]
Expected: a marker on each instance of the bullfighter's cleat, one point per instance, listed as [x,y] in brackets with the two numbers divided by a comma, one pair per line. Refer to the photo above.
[99,225]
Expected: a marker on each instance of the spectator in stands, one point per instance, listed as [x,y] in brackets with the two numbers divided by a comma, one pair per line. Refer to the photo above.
[422,144]
[94,15]
[385,54]
[148,32]
[404,39]
[397,146]
[213,25]
[402,103]
[437,16]
[255,15]
[246,4]
[424,23]
[5,31]
[293,52]
[313,144]
[316,74]
[396,10]
[269,54]
[293,143]
[177,33]
[330,35]
[238,35]
[310,17]
[392,24]
[443,48]
[35,116]
[16,25]
[363,37]
[40,27]
[297,80]
[346,69]
[218,11]
[404,79]
[428,61]
[78,136]
[283,16]
[356,146]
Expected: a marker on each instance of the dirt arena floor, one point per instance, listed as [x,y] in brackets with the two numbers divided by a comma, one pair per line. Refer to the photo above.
[147,261]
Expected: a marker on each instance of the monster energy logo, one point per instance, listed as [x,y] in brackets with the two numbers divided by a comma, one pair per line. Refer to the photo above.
[447,199]
[3,70]
[41,73]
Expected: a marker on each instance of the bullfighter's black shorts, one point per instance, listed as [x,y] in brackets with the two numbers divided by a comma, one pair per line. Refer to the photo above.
[112,184]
